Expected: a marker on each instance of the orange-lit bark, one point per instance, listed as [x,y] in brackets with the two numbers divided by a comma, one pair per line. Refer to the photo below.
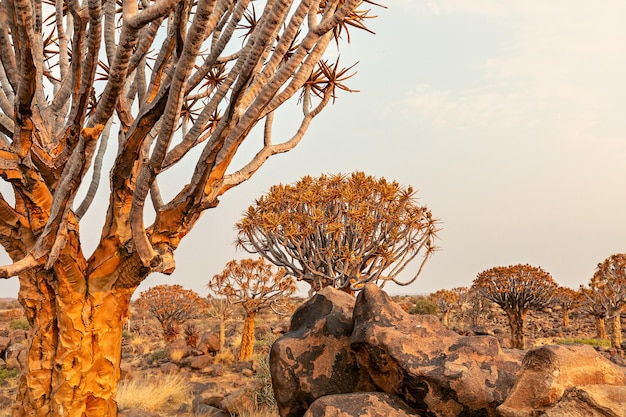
[247,338]
[74,353]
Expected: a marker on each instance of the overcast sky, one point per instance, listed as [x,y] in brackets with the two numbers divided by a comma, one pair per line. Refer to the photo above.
[506,115]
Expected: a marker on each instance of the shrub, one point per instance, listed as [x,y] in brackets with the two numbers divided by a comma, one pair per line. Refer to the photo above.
[580,341]
[8,373]
[225,357]
[424,306]
[19,324]
[192,335]
[157,355]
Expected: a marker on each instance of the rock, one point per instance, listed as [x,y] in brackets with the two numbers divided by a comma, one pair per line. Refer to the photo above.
[363,404]
[200,362]
[433,369]
[169,368]
[591,401]
[548,371]
[16,355]
[5,402]
[177,350]
[209,343]
[237,401]
[213,400]
[204,409]
[4,344]
[281,328]
[244,365]
[126,371]
[314,358]
[215,370]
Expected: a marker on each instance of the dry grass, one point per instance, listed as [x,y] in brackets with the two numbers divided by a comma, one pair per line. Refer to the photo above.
[249,409]
[140,345]
[162,393]
[225,357]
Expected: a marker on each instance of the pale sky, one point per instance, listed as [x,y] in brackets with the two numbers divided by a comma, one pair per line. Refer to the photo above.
[506,115]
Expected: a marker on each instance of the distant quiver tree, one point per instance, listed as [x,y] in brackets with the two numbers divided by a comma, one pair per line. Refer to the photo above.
[606,294]
[172,305]
[516,289]
[446,300]
[340,230]
[181,85]
[254,285]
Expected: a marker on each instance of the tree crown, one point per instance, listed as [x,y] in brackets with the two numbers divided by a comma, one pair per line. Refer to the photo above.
[253,284]
[339,230]
[516,288]
[172,303]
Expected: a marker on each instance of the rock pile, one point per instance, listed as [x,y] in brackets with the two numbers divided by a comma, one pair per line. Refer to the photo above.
[368,357]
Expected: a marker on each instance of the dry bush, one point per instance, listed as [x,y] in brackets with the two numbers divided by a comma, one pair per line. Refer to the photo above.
[225,357]
[158,394]
[140,345]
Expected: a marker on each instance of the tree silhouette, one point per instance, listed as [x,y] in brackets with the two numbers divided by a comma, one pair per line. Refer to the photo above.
[172,305]
[606,294]
[516,289]
[255,286]
[340,230]
[182,85]
[446,300]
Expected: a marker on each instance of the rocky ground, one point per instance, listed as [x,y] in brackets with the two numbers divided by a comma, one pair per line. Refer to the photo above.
[203,380]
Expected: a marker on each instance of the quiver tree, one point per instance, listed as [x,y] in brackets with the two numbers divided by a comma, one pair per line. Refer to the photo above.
[255,285]
[446,300]
[184,83]
[607,294]
[516,289]
[340,230]
[220,308]
[597,310]
[568,299]
[172,305]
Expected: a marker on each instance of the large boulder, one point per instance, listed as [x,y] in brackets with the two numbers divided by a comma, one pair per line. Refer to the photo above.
[548,371]
[434,370]
[314,358]
[591,401]
[363,404]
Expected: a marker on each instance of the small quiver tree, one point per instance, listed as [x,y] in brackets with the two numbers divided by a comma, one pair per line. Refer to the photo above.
[567,299]
[255,286]
[340,230]
[222,309]
[607,294]
[172,305]
[516,289]
[446,300]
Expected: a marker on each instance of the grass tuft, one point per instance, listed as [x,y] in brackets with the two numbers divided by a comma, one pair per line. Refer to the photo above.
[162,393]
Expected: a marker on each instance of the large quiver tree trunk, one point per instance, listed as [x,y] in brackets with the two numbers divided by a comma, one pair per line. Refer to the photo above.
[75,340]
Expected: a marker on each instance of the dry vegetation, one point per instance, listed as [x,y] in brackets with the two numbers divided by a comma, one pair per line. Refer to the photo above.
[150,384]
